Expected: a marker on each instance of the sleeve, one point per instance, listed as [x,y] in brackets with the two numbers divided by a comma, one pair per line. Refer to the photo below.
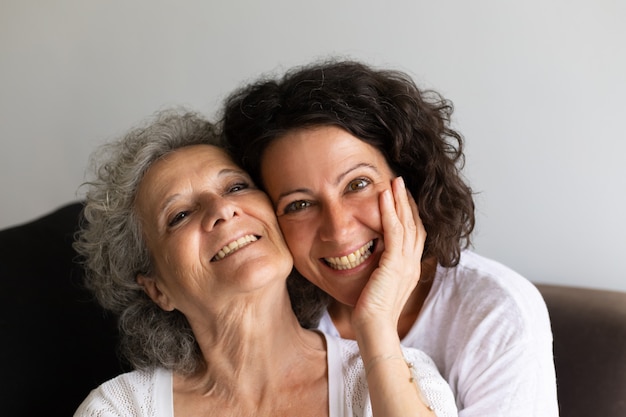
[435,391]
[513,385]
[507,366]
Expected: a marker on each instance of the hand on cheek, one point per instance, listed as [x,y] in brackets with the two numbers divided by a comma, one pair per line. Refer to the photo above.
[398,272]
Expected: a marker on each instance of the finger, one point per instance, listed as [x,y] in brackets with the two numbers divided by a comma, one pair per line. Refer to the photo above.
[407,213]
[419,224]
[401,199]
[393,234]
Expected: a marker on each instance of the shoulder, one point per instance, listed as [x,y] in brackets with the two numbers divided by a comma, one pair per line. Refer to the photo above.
[478,273]
[133,381]
[483,283]
[488,329]
[129,394]
[486,295]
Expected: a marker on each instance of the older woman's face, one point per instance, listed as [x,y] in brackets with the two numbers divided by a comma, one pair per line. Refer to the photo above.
[325,186]
[210,232]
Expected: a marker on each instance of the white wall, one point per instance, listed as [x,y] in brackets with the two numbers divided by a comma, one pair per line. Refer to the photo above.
[539,87]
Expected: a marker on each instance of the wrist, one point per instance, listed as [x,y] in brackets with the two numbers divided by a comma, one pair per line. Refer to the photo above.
[378,342]
[374,324]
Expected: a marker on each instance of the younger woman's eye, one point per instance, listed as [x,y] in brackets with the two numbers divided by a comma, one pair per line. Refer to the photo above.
[296,206]
[358,184]
[178,217]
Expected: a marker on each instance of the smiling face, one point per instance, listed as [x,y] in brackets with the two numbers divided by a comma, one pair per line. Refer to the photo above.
[325,184]
[211,234]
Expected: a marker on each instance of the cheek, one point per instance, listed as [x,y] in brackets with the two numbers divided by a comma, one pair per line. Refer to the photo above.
[367,211]
[298,237]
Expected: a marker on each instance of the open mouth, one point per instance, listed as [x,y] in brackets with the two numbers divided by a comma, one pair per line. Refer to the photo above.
[352,260]
[234,246]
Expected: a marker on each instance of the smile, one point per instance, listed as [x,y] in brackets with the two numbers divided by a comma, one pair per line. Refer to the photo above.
[234,246]
[352,260]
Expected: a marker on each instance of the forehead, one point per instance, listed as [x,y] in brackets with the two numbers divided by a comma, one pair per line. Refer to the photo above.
[332,141]
[179,169]
[188,159]
[322,146]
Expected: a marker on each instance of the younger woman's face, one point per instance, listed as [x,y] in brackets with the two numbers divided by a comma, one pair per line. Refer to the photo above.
[325,185]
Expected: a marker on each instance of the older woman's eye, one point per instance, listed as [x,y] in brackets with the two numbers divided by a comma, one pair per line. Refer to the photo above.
[178,217]
[358,184]
[297,206]
[238,187]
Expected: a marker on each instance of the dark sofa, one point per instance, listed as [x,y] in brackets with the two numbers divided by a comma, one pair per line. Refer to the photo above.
[58,344]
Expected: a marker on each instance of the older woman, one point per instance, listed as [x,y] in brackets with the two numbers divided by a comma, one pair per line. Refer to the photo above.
[182,246]
[323,141]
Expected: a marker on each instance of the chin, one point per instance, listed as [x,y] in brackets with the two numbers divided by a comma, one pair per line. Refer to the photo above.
[348,298]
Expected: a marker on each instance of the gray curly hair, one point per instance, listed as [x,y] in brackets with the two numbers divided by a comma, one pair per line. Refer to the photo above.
[112,247]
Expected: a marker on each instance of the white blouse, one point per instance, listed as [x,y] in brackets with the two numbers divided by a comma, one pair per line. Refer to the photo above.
[149,393]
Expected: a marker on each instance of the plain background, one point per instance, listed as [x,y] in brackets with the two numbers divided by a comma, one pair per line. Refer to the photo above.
[539,88]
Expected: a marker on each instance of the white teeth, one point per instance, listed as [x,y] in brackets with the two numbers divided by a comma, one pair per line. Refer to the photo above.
[352,260]
[234,246]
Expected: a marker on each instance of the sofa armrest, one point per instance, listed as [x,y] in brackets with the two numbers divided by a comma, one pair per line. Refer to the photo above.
[589,328]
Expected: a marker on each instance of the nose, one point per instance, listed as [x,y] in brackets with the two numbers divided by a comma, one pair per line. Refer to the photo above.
[218,209]
[336,223]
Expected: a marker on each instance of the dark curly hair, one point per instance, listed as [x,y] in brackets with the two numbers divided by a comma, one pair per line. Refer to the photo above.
[384,108]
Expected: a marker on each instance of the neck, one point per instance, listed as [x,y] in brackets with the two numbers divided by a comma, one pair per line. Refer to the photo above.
[252,345]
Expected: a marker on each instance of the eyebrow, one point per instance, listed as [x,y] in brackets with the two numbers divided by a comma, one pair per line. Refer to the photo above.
[169,200]
[339,178]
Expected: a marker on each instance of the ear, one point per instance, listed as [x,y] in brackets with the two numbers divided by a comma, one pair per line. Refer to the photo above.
[151,287]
